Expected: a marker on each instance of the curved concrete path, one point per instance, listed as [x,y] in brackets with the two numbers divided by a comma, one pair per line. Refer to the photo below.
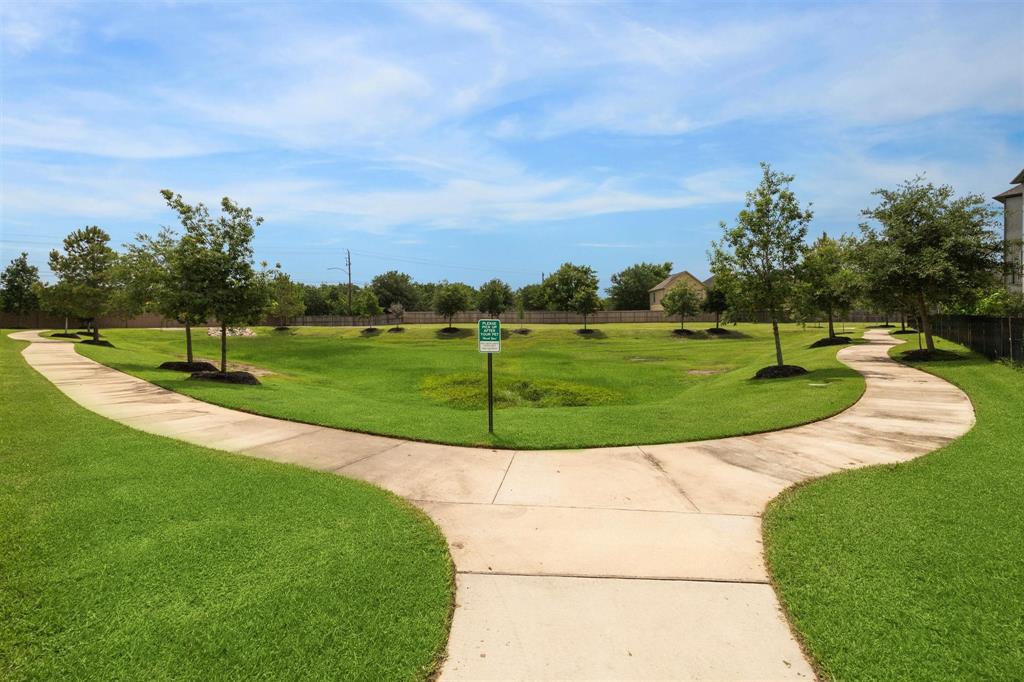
[612,563]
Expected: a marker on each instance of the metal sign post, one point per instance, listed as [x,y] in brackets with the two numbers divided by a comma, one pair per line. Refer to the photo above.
[488,334]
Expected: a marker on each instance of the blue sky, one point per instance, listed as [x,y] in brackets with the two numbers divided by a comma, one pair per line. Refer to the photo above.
[465,141]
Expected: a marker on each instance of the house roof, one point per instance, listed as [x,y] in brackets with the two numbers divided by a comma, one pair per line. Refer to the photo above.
[1012,192]
[709,283]
[1019,179]
[667,282]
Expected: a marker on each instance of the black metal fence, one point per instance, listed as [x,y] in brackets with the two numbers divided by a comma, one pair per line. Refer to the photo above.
[993,337]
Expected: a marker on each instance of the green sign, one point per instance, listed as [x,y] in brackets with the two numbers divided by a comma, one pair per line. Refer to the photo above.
[489,335]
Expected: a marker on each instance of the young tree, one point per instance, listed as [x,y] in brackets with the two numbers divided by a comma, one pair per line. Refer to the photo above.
[367,306]
[829,273]
[715,302]
[630,289]
[218,255]
[85,267]
[759,256]
[520,311]
[683,301]
[450,300]
[394,287]
[562,286]
[585,302]
[397,310]
[18,287]
[943,248]
[494,298]
[286,298]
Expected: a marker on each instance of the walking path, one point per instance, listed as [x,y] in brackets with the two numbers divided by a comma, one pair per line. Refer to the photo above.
[612,563]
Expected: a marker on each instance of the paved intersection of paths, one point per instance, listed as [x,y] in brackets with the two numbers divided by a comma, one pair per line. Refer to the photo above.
[611,563]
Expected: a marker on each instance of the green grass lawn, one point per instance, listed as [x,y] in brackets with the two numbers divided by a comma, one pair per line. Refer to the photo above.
[628,384]
[916,571]
[129,556]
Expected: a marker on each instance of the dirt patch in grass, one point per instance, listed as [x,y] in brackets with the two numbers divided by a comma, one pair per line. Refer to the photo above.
[238,367]
[777,372]
[831,341]
[645,358]
[469,392]
[227,377]
[704,372]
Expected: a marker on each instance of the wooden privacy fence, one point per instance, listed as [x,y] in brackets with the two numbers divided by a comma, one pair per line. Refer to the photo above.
[993,337]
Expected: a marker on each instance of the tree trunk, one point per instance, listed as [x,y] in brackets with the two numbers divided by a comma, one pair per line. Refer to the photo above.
[717,317]
[65,325]
[223,347]
[903,322]
[831,325]
[926,325]
[95,332]
[188,341]
[778,341]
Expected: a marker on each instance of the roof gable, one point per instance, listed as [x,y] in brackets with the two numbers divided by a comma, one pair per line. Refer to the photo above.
[673,278]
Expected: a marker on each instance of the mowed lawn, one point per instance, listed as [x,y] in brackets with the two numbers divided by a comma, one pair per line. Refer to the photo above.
[916,571]
[126,556]
[628,384]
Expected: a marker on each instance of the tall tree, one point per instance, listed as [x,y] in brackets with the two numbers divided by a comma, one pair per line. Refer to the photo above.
[683,301]
[57,299]
[943,248]
[630,289]
[494,298]
[18,286]
[394,287]
[829,272]
[85,267]
[450,300]
[715,302]
[562,286]
[758,257]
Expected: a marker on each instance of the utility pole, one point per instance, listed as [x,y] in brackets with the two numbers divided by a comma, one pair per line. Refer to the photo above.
[348,265]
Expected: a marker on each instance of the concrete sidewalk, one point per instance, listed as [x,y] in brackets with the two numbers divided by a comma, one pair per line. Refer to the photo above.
[613,563]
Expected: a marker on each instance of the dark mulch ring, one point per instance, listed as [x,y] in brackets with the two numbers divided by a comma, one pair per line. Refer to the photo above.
[101,342]
[905,332]
[62,335]
[227,377]
[831,341]
[396,330]
[777,372]
[282,329]
[923,354]
[683,332]
[370,331]
[717,331]
[585,332]
[524,331]
[183,366]
[883,326]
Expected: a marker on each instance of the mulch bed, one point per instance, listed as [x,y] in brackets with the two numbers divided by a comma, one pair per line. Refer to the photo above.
[683,332]
[523,332]
[183,366]
[831,341]
[585,332]
[396,330]
[62,335]
[777,372]
[227,377]
[717,331]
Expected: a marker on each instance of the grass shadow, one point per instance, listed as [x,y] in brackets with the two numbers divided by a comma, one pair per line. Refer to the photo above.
[590,334]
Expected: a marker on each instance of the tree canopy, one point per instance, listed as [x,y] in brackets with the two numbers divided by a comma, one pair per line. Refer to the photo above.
[450,300]
[942,248]
[85,268]
[18,286]
[681,300]
[395,287]
[564,285]
[494,298]
[829,273]
[631,287]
